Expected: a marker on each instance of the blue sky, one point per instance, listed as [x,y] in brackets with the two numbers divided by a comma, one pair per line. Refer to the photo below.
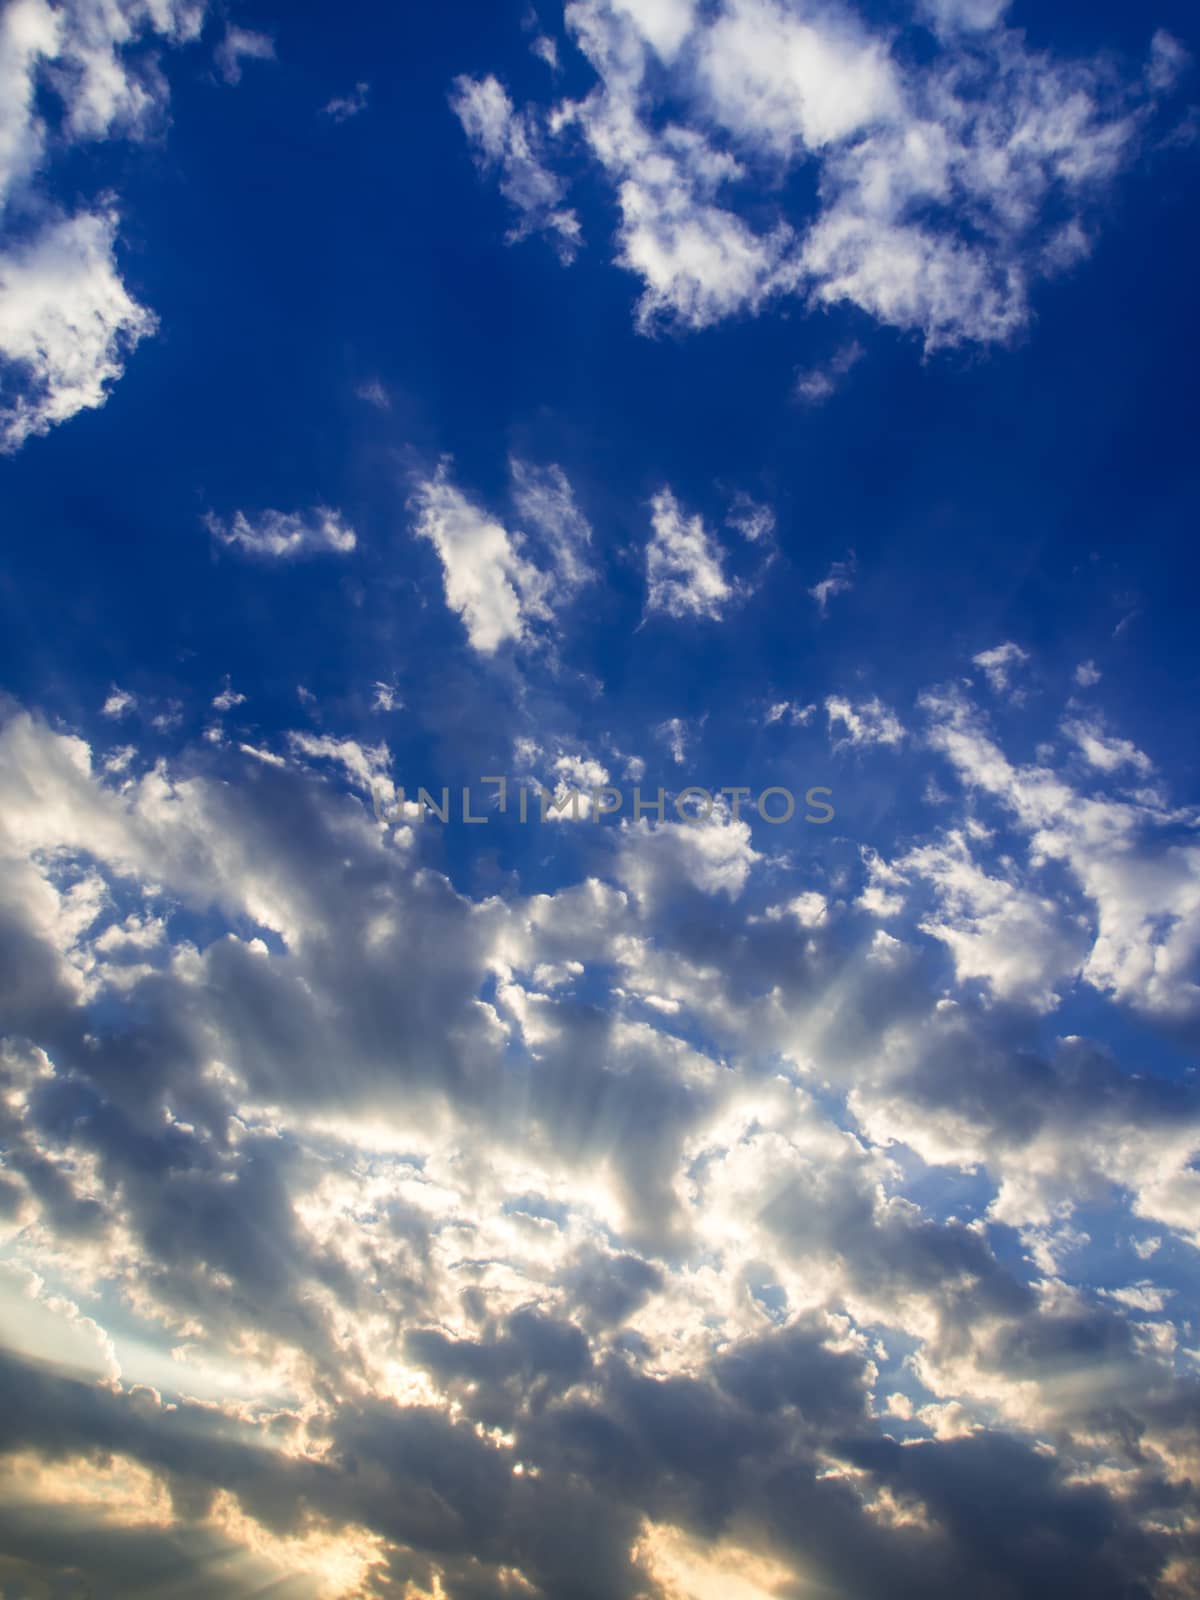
[637,394]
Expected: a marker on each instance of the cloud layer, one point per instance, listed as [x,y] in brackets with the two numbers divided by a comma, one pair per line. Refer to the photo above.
[948,181]
[662,1227]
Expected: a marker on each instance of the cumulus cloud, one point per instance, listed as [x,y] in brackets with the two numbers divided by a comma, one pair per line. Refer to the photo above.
[948,182]
[67,320]
[284,535]
[67,323]
[1132,858]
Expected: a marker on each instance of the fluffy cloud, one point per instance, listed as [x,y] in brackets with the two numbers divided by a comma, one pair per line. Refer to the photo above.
[947,183]
[870,722]
[684,569]
[466,1282]
[446,1244]
[999,663]
[490,578]
[67,321]
[1132,858]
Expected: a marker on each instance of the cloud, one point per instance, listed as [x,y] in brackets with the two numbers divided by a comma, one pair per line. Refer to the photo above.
[999,663]
[374,394]
[1014,941]
[285,535]
[797,715]
[490,580]
[238,45]
[930,216]
[838,580]
[1103,751]
[753,521]
[674,734]
[1087,674]
[546,49]
[119,703]
[385,698]
[342,107]
[507,142]
[70,75]
[1132,859]
[417,1243]
[870,722]
[546,502]
[684,569]
[815,385]
[948,16]
[67,323]
[228,698]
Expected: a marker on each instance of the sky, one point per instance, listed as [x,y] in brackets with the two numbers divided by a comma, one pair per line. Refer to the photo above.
[599,805]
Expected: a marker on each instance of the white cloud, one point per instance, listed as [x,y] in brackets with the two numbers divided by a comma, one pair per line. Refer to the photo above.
[546,502]
[489,576]
[29,33]
[1103,751]
[546,49]
[870,722]
[809,910]
[228,698]
[674,734]
[684,570]
[238,45]
[67,322]
[658,859]
[385,698]
[488,582]
[753,521]
[931,215]
[949,16]
[118,703]
[1132,859]
[838,580]
[795,83]
[284,535]
[797,715]
[815,385]
[1016,942]
[506,141]
[999,663]
[342,107]
[1087,674]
